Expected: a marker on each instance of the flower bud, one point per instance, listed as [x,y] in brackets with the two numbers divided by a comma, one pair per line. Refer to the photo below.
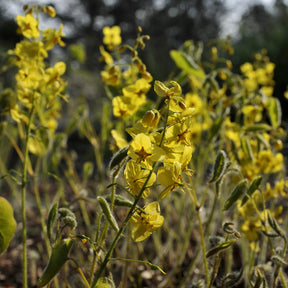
[121,49]
[151,119]
[182,105]
[51,11]
[143,68]
[147,76]
[229,64]
[134,53]
[278,145]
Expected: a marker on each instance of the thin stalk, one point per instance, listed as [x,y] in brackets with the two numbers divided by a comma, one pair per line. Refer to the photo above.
[215,269]
[80,272]
[23,192]
[131,211]
[202,237]
[104,231]
[203,246]
[121,229]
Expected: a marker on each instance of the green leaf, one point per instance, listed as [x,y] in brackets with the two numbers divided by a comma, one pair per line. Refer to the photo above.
[58,258]
[220,248]
[120,200]
[7,224]
[261,127]
[246,148]
[275,226]
[274,111]
[118,157]
[51,219]
[237,192]
[219,166]
[108,213]
[88,168]
[104,283]
[251,189]
[187,64]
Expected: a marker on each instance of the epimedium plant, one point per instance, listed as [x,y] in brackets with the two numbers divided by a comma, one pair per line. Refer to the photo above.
[197,166]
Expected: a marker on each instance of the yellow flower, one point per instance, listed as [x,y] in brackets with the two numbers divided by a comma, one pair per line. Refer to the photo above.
[146,221]
[251,228]
[192,100]
[137,91]
[28,52]
[143,151]
[169,176]
[28,26]
[112,36]
[52,37]
[151,119]
[163,91]
[136,177]
[111,75]
[123,106]
[267,90]
[246,68]
[118,138]
[105,56]
[252,113]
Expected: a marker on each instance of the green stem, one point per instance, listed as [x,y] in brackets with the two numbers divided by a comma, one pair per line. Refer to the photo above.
[23,190]
[203,246]
[123,226]
[131,211]
[104,232]
[202,236]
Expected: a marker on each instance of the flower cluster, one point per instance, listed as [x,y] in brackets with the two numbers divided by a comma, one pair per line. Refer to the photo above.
[160,152]
[130,80]
[37,85]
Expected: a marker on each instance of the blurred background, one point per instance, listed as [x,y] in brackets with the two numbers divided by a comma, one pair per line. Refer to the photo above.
[253,25]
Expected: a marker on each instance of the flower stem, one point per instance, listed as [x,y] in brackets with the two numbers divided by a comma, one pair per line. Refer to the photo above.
[23,192]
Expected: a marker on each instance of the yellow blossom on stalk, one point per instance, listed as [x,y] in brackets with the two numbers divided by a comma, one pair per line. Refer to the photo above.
[261,76]
[30,77]
[252,113]
[28,52]
[151,119]
[119,139]
[169,176]
[125,106]
[105,56]
[232,131]
[269,68]
[143,151]
[265,163]
[192,100]
[178,134]
[267,90]
[112,36]
[269,162]
[137,91]
[52,37]
[36,83]
[111,75]
[251,228]
[163,91]
[136,177]
[146,221]
[28,26]
[246,68]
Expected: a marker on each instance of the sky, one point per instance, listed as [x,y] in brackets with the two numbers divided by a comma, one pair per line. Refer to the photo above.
[229,22]
[235,9]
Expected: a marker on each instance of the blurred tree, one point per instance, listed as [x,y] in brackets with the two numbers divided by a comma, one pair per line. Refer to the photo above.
[169,23]
[261,28]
